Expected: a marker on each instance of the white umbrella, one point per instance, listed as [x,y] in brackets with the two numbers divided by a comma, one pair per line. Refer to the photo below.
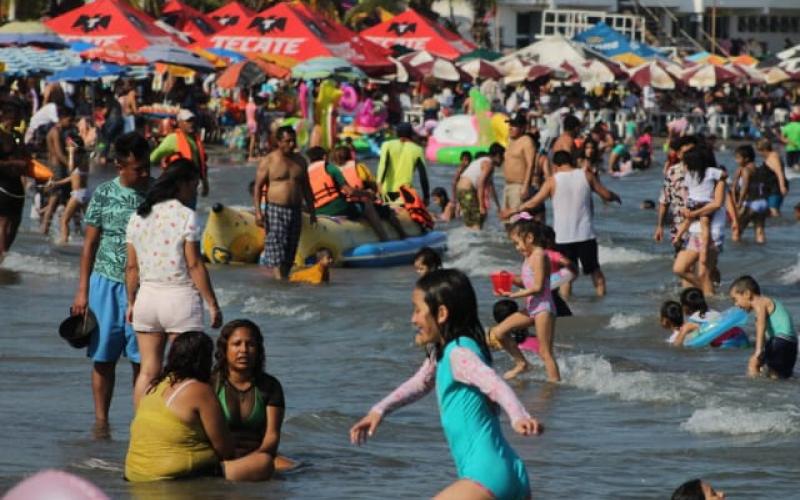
[594,73]
[552,51]
[652,74]
[790,65]
[775,75]
[422,64]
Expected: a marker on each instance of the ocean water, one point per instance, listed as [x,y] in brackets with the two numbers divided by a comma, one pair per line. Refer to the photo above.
[632,419]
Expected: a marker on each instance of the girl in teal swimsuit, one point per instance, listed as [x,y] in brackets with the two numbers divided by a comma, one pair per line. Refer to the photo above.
[252,400]
[446,318]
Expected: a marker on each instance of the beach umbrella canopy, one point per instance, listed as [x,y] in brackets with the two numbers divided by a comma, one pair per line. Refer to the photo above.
[481,68]
[35,60]
[171,54]
[744,60]
[652,74]
[790,53]
[776,75]
[242,75]
[21,33]
[708,76]
[113,54]
[790,65]
[231,14]
[228,54]
[327,67]
[481,53]
[189,21]
[106,22]
[87,71]
[418,33]
[424,64]
[748,74]
[551,51]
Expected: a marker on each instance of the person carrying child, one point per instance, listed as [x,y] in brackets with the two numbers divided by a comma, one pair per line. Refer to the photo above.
[776,337]
[540,310]
[77,179]
[467,388]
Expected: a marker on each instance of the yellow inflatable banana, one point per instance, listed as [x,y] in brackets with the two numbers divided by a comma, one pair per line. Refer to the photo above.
[232,236]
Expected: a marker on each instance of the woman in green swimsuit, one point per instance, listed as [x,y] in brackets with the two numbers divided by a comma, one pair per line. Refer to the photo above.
[252,400]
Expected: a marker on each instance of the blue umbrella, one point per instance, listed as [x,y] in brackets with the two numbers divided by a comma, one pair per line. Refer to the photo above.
[42,39]
[171,54]
[87,71]
[79,46]
[30,60]
[233,56]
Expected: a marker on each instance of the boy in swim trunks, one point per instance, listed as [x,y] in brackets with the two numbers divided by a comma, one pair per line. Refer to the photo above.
[776,337]
[283,173]
[503,309]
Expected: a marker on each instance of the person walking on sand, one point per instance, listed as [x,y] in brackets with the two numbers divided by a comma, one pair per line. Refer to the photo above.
[571,190]
[283,173]
[101,285]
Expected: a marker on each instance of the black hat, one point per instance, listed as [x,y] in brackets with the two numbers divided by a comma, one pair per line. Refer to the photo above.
[518,120]
[78,330]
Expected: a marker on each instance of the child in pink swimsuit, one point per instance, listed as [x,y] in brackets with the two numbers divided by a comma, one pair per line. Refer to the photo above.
[540,310]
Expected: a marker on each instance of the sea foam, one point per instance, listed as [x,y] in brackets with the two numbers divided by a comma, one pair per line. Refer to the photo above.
[740,421]
[38,265]
[621,321]
[620,255]
[270,307]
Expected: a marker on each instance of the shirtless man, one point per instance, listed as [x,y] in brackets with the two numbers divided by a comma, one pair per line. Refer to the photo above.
[518,163]
[283,173]
[566,141]
[59,162]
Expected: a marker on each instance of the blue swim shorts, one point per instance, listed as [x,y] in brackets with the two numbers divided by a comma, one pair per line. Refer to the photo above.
[108,301]
[775,201]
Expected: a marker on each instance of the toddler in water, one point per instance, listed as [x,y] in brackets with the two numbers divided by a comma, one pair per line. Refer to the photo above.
[557,262]
[672,319]
[503,309]
[316,274]
[696,311]
[427,260]
[776,337]
[540,311]
[467,388]
[440,199]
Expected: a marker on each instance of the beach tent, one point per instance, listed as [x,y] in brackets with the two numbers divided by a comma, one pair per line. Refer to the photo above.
[295,31]
[107,22]
[189,21]
[231,14]
[411,30]
[550,51]
[611,43]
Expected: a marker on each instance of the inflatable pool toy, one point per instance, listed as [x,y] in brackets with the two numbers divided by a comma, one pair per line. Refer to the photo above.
[325,110]
[530,344]
[39,172]
[371,117]
[55,484]
[349,100]
[456,134]
[395,252]
[726,328]
[232,236]
[300,127]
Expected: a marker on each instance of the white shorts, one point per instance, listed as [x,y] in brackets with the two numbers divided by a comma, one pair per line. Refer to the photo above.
[167,308]
[81,195]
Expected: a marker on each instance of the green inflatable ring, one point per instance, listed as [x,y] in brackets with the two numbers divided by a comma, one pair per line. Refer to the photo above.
[452,155]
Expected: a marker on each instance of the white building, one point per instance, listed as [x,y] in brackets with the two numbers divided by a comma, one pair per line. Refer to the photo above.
[671,22]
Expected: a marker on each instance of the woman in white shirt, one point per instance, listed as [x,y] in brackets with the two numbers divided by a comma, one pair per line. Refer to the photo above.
[165,275]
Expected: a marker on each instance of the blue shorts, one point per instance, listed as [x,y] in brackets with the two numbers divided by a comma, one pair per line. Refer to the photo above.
[108,301]
[775,201]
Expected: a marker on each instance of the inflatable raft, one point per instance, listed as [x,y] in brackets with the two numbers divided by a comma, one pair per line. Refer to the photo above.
[724,331]
[232,236]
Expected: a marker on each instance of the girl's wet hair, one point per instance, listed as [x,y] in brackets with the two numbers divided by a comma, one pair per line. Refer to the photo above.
[188,358]
[528,227]
[429,258]
[747,152]
[672,312]
[465,155]
[693,301]
[452,289]
[178,172]
[696,162]
[221,354]
[442,194]
[690,490]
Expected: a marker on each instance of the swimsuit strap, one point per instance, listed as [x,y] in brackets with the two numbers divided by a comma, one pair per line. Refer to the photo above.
[178,391]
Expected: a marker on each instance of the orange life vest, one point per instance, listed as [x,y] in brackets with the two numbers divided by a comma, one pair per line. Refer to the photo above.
[350,173]
[416,207]
[323,186]
[185,150]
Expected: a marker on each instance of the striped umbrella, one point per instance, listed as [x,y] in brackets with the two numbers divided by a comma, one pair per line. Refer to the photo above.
[708,76]
[748,74]
[776,75]
[424,64]
[481,68]
[652,74]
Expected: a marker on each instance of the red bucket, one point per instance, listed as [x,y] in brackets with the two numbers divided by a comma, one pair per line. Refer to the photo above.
[501,281]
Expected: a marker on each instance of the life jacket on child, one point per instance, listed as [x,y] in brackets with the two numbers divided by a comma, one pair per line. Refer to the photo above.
[415,207]
[323,187]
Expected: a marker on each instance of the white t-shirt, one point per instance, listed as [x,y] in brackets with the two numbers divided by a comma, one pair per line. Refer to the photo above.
[159,242]
[702,190]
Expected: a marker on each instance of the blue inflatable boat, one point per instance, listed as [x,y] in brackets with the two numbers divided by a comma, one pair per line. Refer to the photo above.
[393,253]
